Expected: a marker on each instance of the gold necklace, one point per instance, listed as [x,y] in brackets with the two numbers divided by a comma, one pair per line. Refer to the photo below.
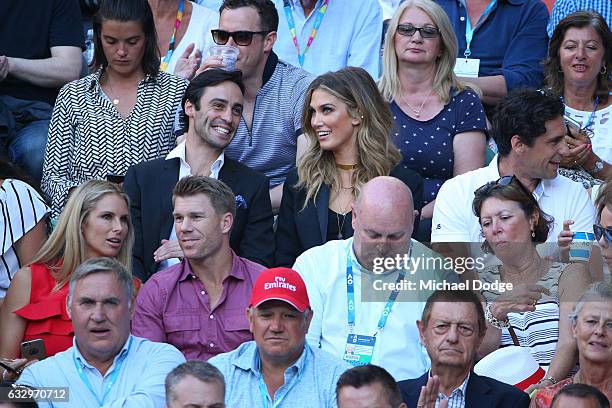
[345,212]
[346,166]
[417,112]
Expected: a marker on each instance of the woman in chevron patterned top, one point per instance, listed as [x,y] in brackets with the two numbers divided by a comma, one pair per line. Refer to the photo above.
[118,116]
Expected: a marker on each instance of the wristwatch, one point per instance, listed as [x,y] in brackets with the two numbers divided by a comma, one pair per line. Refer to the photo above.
[598,166]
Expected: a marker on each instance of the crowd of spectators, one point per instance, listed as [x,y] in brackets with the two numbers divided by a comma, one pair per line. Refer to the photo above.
[376,201]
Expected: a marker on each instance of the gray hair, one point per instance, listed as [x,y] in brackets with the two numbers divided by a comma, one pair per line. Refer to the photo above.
[201,370]
[596,291]
[103,265]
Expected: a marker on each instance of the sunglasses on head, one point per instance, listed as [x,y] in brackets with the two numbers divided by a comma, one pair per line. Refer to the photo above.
[502,181]
[221,37]
[600,231]
[408,30]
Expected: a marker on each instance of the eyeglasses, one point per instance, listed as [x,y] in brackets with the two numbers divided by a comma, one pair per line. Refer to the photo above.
[601,231]
[408,30]
[501,182]
[221,37]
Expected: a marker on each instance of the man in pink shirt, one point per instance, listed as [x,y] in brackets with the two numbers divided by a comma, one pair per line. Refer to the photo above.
[198,305]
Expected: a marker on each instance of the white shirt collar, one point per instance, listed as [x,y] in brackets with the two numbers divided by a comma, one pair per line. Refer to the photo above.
[180,152]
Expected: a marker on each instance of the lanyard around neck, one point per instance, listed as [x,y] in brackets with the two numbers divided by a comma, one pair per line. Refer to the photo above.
[350,296]
[111,378]
[179,17]
[592,115]
[469,30]
[291,23]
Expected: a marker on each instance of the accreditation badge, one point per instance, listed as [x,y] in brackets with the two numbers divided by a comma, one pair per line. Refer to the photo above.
[467,67]
[359,349]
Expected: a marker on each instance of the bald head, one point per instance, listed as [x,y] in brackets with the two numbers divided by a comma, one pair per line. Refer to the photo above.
[383,219]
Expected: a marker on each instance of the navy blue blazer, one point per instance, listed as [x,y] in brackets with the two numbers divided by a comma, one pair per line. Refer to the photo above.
[299,230]
[481,392]
[150,185]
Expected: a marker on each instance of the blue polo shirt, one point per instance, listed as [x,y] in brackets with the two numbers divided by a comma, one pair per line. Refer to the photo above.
[511,41]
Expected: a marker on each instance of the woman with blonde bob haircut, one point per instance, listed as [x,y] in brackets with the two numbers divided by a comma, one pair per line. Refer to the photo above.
[440,123]
[347,125]
[95,222]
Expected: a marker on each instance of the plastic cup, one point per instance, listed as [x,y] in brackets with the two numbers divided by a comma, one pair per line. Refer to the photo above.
[228,53]
[580,248]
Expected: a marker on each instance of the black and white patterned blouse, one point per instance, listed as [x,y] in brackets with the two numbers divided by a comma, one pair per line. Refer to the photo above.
[88,137]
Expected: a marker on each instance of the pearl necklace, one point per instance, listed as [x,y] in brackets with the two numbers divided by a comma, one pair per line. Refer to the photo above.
[417,112]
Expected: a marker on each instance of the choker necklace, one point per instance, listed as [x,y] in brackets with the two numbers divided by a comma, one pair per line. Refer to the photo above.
[417,112]
[346,166]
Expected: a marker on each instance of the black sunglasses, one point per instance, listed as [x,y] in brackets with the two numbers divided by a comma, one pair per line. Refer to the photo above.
[408,30]
[601,231]
[502,181]
[221,37]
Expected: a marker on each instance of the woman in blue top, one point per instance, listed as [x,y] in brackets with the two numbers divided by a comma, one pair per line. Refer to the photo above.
[440,123]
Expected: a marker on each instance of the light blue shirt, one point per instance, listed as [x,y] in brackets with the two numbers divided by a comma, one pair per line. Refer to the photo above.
[563,8]
[309,382]
[211,4]
[140,382]
[349,35]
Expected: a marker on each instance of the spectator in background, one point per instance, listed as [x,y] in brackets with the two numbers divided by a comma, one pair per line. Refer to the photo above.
[368,386]
[40,51]
[195,384]
[327,35]
[198,305]
[591,325]
[118,116]
[529,130]
[563,8]
[279,368]
[440,123]
[100,306]
[603,228]
[269,138]
[578,68]
[24,222]
[96,222]
[501,43]
[451,329]
[347,124]
[580,395]
[213,105]
[183,34]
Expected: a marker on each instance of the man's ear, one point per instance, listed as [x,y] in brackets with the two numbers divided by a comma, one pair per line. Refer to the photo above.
[269,41]
[227,220]
[189,109]
[249,314]
[68,308]
[517,144]
[421,328]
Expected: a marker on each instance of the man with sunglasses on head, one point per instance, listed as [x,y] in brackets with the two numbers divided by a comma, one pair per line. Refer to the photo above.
[529,130]
[269,137]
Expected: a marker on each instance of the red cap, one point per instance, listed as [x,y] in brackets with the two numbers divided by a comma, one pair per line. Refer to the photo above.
[280,284]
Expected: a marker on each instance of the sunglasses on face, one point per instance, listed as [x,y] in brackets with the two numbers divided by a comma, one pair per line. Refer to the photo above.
[221,37]
[408,30]
[601,231]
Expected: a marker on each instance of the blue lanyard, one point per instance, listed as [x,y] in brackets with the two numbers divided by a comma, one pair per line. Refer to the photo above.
[111,378]
[592,116]
[469,31]
[350,296]
[313,33]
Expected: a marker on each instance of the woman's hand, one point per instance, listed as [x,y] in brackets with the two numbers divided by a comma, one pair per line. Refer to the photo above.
[18,365]
[580,148]
[189,62]
[522,298]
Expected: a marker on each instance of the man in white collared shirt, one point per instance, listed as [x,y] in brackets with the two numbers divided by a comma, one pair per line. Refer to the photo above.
[212,105]
[530,134]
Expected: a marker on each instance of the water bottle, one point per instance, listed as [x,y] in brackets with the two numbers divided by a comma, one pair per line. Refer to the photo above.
[89,48]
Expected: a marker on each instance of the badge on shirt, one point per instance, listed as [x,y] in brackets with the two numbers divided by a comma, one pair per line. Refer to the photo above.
[359,349]
[467,67]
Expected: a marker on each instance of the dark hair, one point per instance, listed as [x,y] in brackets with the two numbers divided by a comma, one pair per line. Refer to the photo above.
[553,75]
[604,198]
[220,195]
[360,376]
[268,15]
[9,170]
[128,10]
[582,391]
[514,191]
[210,77]
[201,370]
[463,296]
[524,113]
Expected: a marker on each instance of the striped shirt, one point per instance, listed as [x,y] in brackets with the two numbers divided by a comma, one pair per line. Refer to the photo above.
[563,8]
[457,397]
[89,139]
[21,209]
[537,330]
[270,145]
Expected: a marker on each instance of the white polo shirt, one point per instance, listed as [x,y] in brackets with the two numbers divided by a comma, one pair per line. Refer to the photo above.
[454,221]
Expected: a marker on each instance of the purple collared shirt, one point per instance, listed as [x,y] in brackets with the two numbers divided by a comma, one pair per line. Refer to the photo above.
[174,307]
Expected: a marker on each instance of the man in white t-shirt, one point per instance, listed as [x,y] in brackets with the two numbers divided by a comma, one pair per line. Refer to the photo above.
[529,131]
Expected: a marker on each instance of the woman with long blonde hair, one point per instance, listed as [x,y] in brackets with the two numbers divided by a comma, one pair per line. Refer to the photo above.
[347,125]
[95,222]
[440,123]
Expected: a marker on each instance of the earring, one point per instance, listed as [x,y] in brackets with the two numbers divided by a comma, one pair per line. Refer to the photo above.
[532,234]
[603,70]
[361,116]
